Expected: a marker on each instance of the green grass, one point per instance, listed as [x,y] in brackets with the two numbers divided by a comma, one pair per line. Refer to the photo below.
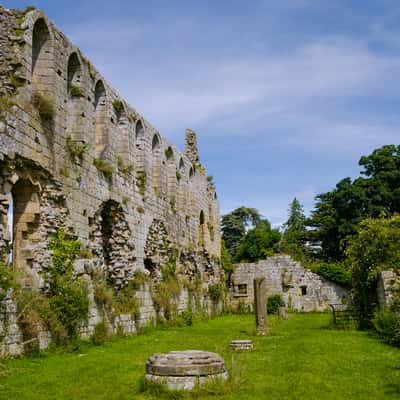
[301,359]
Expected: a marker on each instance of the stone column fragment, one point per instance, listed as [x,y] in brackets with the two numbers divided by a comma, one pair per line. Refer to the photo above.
[260,306]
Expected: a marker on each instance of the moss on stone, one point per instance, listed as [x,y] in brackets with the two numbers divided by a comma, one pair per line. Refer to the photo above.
[104,166]
[44,105]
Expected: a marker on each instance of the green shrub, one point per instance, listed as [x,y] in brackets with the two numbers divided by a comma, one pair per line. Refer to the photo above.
[216,292]
[100,333]
[141,182]
[118,107]
[387,325]
[75,148]
[44,105]
[104,166]
[76,91]
[274,302]
[334,272]
[68,296]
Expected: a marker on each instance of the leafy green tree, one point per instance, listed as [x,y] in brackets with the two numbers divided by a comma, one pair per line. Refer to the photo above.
[235,224]
[373,249]
[258,243]
[294,230]
[374,194]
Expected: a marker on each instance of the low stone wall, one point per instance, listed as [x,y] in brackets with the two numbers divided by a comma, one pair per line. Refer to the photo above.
[301,289]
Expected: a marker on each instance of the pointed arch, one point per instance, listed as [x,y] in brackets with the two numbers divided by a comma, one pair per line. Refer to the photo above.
[202,224]
[42,68]
[157,163]
[75,104]
[100,106]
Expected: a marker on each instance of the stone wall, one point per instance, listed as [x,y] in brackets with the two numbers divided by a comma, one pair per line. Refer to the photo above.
[74,154]
[301,289]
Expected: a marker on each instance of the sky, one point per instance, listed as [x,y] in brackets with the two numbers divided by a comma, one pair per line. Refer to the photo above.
[285,96]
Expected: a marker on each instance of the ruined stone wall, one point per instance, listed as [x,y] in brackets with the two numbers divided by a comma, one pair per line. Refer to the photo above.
[74,154]
[300,288]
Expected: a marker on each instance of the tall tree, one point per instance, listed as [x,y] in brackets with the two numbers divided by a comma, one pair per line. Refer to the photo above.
[294,229]
[235,224]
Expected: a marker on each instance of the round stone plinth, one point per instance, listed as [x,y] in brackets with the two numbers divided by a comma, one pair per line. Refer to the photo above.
[241,345]
[183,370]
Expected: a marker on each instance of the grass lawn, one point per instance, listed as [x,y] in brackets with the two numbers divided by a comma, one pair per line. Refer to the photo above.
[301,359]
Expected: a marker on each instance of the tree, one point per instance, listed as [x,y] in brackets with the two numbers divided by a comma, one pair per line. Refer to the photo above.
[235,224]
[374,194]
[294,229]
[374,248]
[258,243]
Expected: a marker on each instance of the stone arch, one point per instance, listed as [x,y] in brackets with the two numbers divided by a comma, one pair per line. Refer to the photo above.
[182,186]
[139,130]
[124,140]
[172,184]
[75,96]
[202,229]
[115,246]
[25,220]
[191,173]
[157,249]
[42,68]
[100,106]
[157,164]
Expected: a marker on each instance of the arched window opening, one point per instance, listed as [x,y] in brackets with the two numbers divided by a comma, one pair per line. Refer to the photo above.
[155,144]
[201,228]
[25,223]
[139,130]
[100,105]
[191,173]
[181,166]
[74,76]
[75,95]
[157,178]
[42,57]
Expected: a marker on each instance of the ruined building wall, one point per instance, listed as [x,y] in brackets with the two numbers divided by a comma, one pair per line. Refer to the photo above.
[300,288]
[95,166]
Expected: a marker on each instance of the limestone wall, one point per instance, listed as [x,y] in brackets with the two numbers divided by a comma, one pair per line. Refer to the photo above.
[300,288]
[95,166]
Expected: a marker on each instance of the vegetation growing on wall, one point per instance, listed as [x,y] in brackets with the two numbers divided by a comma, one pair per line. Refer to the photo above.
[104,166]
[44,105]
[141,182]
[75,148]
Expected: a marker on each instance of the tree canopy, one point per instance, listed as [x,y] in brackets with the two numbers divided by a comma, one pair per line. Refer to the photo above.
[374,194]
[235,224]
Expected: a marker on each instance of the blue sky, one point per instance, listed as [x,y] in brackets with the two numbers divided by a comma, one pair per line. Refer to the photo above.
[285,95]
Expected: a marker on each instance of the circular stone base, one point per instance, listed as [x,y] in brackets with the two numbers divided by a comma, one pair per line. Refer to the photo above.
[241,345]
[183,370]
[184,382]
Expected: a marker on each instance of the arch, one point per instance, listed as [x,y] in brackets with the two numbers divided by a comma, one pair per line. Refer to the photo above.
[201,228]
[75,105]
[155,144]
[25,219]
[120,112]
[118,252]
[42,57]
[157,162]
[100,106]
[182,186]
[169,154]
[139,130]
[181,166]
[191,172]
[74,76]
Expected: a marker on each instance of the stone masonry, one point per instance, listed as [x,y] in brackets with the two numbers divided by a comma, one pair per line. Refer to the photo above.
[301,289]
[74,154]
